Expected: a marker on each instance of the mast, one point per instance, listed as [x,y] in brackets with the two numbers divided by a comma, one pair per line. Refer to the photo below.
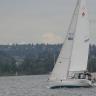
[79,58]
[74,18]
[73,56]
[61,69]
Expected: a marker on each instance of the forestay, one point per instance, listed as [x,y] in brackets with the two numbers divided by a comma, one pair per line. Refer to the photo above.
[61,69]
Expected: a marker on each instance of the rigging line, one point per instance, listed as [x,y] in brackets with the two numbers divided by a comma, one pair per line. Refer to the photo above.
[74,17]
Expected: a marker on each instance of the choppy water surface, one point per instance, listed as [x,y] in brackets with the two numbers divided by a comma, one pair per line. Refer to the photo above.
[36,86]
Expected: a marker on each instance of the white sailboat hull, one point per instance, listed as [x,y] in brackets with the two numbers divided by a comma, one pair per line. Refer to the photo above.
[73,56]
[71,83]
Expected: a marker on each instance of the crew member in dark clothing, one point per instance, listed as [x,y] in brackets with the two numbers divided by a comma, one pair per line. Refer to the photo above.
[88,75]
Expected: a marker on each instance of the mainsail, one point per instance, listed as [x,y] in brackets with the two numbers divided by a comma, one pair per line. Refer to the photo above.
[74,53]
[79,56]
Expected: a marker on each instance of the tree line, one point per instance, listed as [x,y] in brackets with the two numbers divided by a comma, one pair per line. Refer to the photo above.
[35,59]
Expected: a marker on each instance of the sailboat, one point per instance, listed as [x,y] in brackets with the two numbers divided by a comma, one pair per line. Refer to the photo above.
[70,69]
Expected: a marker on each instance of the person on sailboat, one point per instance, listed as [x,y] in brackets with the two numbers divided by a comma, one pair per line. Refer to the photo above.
[81,76]
[85,75]
[88,75]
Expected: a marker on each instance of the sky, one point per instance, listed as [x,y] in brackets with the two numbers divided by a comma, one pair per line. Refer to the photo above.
[39,21]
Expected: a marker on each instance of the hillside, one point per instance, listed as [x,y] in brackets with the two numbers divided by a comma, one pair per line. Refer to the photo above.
[30,59]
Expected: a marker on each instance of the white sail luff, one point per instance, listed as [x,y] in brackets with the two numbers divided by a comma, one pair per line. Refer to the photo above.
[61,68]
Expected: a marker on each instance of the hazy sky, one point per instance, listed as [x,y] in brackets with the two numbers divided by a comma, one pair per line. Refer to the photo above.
[39,21]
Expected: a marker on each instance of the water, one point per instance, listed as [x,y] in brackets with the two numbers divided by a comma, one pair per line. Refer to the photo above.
[36,86]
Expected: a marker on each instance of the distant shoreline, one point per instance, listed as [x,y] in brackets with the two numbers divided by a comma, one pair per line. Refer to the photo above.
[38,59]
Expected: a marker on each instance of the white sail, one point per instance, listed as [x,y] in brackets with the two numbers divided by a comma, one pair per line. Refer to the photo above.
[79,56]
[74,53]
[61,68]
